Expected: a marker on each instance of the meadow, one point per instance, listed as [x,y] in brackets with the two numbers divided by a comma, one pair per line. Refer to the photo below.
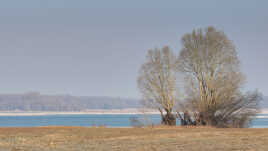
[132,139]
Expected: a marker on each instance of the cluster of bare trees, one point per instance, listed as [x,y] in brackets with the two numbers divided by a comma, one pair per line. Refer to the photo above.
[212,82]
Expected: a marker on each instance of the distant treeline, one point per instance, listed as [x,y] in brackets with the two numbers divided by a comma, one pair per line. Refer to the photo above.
[264,102]
[36,102]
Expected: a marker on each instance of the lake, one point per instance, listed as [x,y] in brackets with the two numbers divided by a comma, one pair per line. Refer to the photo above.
[109,120]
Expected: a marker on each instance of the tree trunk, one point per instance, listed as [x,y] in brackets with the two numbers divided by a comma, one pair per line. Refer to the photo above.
[169,119]
[185,119]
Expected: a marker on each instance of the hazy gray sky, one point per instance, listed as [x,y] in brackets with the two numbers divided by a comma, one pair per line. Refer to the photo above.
[95,48]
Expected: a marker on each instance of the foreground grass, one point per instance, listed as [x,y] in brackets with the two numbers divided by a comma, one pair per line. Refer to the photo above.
[132,139]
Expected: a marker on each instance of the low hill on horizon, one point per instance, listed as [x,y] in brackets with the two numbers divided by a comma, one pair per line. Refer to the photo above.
[35,101]
[264,102]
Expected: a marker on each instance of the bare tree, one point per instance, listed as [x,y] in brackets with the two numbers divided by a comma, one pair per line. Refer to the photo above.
[213,81]
[157,83]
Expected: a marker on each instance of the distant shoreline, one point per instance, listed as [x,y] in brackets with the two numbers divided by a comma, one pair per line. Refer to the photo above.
[67,113]
[89,112]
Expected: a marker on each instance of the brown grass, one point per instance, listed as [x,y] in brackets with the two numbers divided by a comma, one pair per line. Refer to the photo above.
[132,139]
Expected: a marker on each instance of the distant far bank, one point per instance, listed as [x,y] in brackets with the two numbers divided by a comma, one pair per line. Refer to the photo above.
[34,102]
[93,111]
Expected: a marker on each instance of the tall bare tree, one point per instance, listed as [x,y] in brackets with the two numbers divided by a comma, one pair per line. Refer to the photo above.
[157,83]
[213,82]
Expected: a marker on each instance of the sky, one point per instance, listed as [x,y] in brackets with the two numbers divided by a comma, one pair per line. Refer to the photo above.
[95,47]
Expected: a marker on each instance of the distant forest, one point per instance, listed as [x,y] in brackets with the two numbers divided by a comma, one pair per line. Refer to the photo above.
[36,102]
[264,103]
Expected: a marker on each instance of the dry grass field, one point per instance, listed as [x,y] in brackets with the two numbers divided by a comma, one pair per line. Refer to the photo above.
[132,139]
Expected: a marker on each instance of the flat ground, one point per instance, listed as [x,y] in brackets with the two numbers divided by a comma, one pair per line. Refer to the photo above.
[132,139]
